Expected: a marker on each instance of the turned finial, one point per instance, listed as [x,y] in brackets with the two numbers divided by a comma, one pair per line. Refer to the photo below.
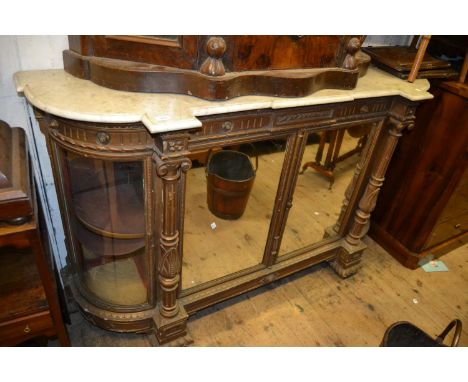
[213,65]
[353,46]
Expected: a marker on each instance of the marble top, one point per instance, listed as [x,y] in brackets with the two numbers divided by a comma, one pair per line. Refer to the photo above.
[61,94]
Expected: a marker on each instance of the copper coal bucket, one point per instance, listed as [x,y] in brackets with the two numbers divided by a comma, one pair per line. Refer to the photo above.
[229,178]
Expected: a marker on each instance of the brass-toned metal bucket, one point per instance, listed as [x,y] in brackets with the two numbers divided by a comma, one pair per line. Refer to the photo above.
[230,176]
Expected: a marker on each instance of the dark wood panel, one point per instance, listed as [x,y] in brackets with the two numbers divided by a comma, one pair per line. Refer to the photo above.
[21,290]
[183,55]
[21,329]
[29,305]
[124,75]
[453,220]
[281,52]
[218,67]
[426,169]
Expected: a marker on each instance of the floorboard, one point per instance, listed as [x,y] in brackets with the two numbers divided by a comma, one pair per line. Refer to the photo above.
[316,308]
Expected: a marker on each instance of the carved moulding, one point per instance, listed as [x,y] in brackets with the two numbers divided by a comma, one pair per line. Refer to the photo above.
[347,261]
[170,320]
[140,321]
[218,67]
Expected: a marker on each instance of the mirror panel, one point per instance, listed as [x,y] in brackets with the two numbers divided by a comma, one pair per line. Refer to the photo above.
[327,168]
[217,242]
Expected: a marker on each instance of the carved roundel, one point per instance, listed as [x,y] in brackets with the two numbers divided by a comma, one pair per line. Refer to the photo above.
[102,138]
[227,126]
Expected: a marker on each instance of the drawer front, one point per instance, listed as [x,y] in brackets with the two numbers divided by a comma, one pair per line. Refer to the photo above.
[21,329]
[447,230]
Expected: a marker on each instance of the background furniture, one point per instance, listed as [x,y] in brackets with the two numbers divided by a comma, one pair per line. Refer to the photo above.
[407,62]
[423,207]
[29,304]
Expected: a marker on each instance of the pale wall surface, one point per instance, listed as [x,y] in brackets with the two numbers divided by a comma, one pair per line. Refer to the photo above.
[25,53]
[387,40]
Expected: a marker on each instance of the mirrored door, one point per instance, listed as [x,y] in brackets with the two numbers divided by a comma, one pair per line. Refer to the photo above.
[230,194]
[328,166]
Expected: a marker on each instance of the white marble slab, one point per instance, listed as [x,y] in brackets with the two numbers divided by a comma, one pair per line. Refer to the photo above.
[61,94]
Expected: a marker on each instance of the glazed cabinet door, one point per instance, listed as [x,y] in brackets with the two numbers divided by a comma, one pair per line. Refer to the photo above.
[106,201]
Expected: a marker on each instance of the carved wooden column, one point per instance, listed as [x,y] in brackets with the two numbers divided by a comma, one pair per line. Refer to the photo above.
[171,166]
[349,256]
[284,198]
[363,163]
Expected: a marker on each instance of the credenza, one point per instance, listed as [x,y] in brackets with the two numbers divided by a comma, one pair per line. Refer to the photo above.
[144,250]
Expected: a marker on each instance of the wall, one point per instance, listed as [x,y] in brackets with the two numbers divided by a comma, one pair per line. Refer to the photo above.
[27,53]
[387,40]
[45,52]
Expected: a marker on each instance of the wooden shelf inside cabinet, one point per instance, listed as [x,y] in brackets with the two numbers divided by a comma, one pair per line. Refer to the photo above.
[110,221]
[114,212]
[105,246]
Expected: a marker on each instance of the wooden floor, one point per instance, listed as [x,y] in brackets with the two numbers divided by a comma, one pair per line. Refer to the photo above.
[316,308]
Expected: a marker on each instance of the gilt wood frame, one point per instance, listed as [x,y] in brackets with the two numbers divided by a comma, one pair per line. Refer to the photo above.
[166,163]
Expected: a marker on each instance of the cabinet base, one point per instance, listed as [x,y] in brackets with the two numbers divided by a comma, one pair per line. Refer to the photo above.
[122,322]
[407,258]
[172,330]
[348,260]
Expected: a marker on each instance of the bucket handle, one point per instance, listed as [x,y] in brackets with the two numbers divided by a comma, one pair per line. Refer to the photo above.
[256,156]
[210,153]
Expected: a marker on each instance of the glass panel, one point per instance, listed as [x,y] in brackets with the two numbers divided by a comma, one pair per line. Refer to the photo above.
[220,238]
[107,213]
[329,161]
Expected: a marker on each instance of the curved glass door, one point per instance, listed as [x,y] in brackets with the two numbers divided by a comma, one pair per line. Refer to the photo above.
[106,207]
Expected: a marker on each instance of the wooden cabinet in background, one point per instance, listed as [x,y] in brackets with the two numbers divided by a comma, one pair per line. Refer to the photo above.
[423,206]
[29,303]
